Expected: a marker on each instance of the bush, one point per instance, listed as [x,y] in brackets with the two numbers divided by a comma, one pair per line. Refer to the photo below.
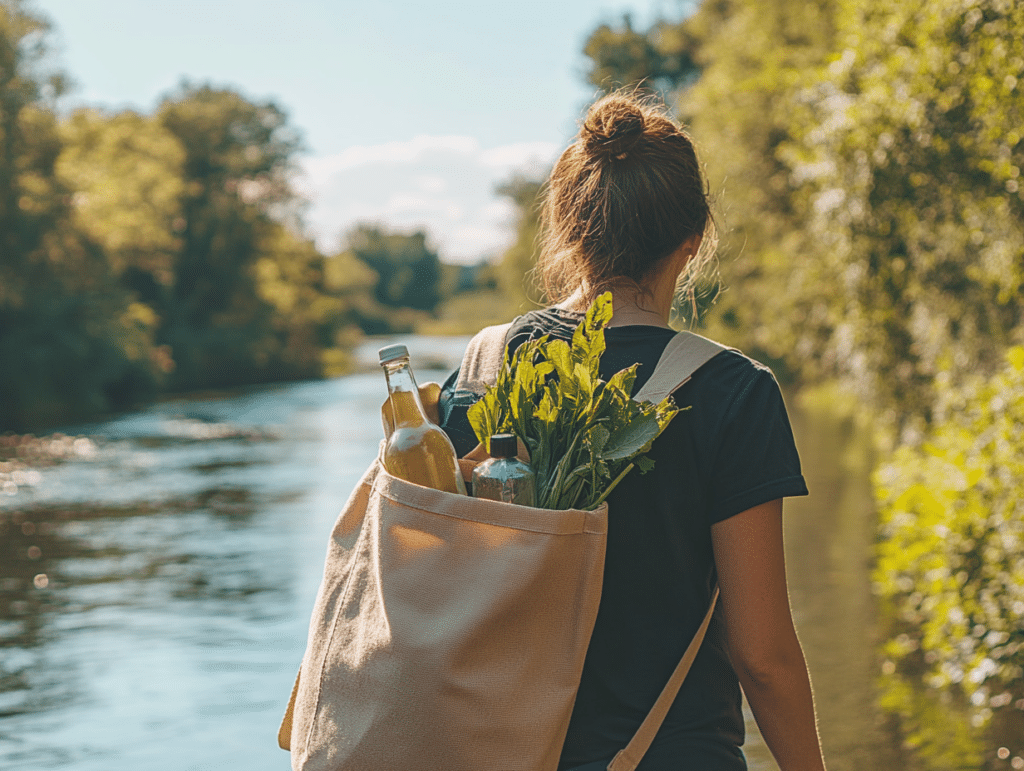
[951,559]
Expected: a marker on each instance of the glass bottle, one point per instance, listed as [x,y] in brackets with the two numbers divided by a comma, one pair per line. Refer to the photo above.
[504,477]
[417,450]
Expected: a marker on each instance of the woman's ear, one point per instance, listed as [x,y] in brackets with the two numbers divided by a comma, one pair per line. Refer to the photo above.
[691,246]
[686,252]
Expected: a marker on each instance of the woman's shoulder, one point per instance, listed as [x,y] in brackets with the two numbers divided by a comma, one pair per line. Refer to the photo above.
[732,362]
[732,378]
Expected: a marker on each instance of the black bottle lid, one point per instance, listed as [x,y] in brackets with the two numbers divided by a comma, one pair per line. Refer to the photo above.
[504,445]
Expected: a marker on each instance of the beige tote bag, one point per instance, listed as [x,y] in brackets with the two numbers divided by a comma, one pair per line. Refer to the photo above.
[449,632]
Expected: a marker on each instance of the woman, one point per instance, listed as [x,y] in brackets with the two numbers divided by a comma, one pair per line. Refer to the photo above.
[626,210]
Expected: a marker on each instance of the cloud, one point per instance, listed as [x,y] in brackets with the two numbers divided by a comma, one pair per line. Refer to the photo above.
[521,155]
[432,184]
[389,153]
[444,185]
[404,203]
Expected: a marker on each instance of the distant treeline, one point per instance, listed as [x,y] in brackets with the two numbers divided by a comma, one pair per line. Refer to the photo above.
[146,253]
[867,158]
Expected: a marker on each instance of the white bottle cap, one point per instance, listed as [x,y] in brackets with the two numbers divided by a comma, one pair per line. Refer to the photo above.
[392,352]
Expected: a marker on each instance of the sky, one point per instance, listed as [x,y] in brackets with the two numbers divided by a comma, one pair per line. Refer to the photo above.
[411,112]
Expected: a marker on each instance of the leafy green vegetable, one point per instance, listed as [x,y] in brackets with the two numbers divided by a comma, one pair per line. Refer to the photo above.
[584,434]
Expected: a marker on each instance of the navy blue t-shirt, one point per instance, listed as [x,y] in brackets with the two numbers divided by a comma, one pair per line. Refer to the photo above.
[731,450]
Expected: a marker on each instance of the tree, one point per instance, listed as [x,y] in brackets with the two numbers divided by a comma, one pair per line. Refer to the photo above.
[908,149]
[71,340]
[127,173]
[408,271]
[30,200]
[312,300]
[518,261]
[660,59]
[238,155]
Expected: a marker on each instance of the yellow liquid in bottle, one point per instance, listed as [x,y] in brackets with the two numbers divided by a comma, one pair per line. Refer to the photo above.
[420,452]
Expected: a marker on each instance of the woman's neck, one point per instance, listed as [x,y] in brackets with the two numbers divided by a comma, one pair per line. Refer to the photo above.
[631,307]
[650,304]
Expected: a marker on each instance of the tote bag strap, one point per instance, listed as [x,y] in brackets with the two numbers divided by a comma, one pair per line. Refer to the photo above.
[483,359]
[684,355]
[628,758]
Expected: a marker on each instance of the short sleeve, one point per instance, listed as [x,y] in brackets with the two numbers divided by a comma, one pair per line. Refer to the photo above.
[755,458]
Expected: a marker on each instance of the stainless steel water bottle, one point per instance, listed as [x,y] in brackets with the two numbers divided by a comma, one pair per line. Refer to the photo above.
[504,477]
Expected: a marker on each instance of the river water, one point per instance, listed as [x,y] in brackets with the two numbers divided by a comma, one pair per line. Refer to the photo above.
[156,585]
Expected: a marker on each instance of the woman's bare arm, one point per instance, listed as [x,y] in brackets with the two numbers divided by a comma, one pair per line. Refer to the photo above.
[762,640]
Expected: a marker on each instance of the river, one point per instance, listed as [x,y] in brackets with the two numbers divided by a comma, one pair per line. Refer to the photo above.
[156,585]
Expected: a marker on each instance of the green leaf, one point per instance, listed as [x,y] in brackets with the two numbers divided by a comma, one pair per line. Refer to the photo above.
[597,439]
[631,438]
[588,338]
[484,417]
[623,380]
[560,357]
[643,463]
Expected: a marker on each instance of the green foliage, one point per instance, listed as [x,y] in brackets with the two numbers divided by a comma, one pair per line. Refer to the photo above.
[30,200]
[237,155]
[408,271]
[126,171]
[309,309]
[583,434]
[905,157]
[72,341]
[660,59]
[145,252]
[740,113]
[514,269]
[951,563]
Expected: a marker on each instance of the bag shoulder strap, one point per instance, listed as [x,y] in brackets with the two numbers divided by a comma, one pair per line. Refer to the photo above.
[684,355]
[629,757]
[483,359]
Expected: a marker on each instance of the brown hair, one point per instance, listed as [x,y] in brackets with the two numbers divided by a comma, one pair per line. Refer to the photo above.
[627,193]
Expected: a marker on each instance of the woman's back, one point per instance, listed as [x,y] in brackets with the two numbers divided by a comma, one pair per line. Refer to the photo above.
[659,571]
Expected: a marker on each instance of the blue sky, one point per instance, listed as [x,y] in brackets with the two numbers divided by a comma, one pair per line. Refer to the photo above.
[411,112]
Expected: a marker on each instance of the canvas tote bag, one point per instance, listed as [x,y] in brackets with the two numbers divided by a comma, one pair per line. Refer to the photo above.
[449,632]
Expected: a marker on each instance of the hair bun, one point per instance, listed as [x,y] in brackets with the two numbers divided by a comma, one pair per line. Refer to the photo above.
[612,128]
